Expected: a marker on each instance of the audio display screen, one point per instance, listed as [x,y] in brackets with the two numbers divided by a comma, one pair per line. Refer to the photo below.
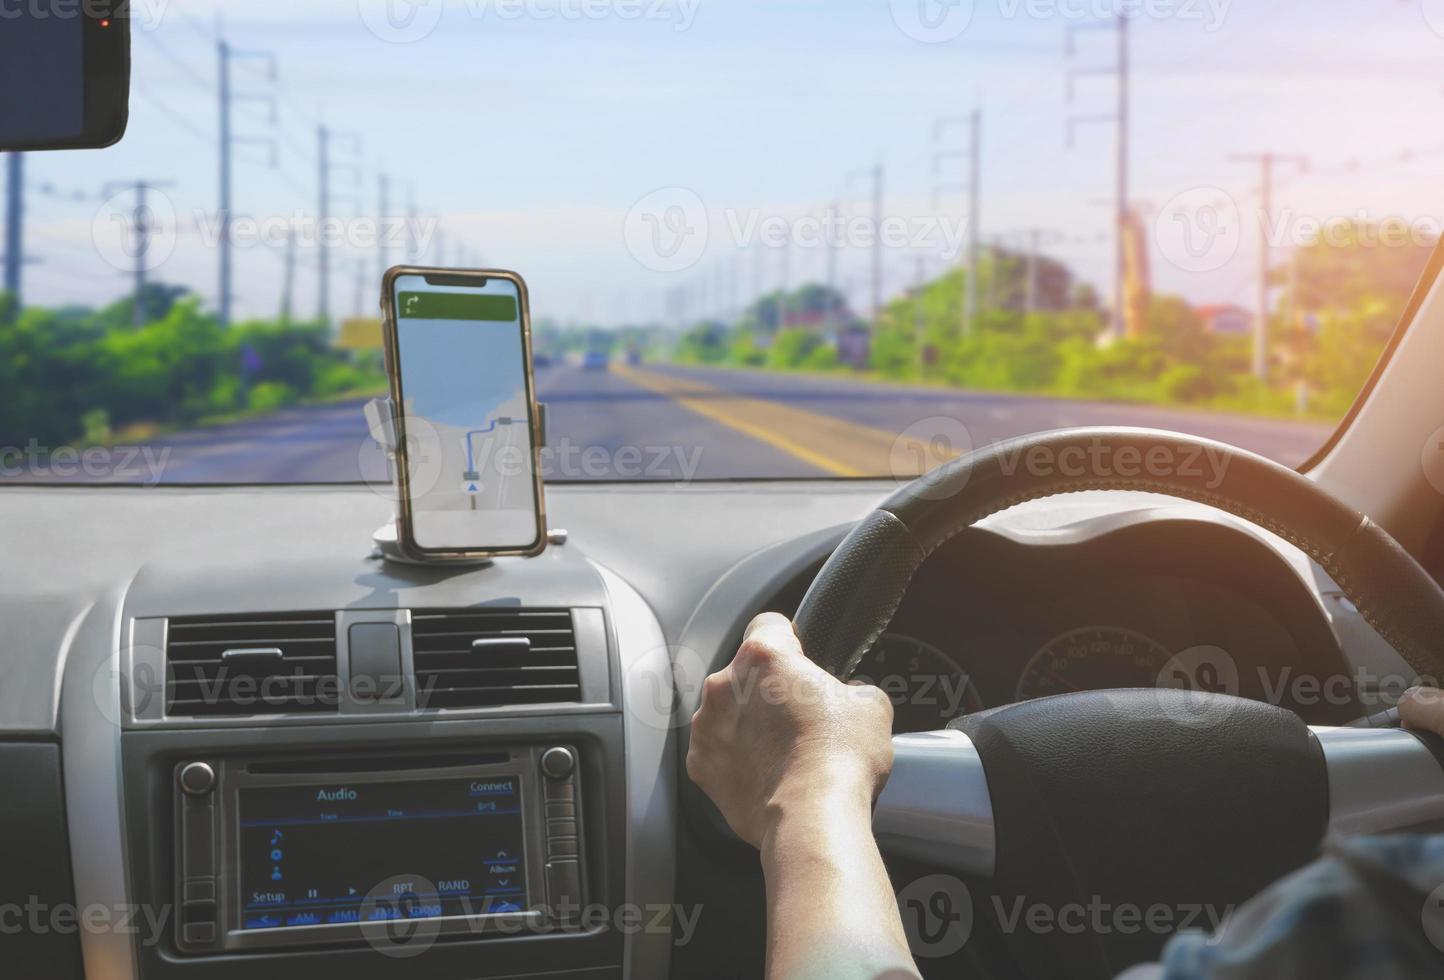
[366,851]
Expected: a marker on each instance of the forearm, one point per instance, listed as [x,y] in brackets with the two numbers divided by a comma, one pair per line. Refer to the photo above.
[830,907]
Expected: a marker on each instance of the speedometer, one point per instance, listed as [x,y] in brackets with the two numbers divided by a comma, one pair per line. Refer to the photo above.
[1093,658]
[927,688]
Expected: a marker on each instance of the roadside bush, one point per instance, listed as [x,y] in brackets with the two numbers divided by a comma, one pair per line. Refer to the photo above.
[269,396]
[791,348]
[77,374]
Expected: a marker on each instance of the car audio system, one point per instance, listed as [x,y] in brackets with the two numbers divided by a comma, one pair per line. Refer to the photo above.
[276,852]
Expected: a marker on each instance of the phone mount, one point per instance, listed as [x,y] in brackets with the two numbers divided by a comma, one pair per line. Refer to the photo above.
[381,421]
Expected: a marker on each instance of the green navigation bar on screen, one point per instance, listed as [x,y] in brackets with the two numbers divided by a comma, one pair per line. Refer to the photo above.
[457,306]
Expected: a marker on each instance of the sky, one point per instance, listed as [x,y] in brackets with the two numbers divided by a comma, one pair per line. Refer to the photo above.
[579,142]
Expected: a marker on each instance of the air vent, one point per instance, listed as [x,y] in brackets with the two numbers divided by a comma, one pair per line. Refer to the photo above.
[475,658]
[251,665]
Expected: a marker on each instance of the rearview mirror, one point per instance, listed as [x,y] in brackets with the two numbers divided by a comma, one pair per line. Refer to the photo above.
[64,74]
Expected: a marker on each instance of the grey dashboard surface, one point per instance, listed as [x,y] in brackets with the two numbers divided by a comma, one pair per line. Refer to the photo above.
[178,550]
[169,551]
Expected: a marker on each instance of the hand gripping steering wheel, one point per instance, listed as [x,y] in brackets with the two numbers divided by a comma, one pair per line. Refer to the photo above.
[1143,799]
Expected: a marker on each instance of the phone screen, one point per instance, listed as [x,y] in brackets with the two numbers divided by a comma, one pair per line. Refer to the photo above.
[44,57]
[467,406]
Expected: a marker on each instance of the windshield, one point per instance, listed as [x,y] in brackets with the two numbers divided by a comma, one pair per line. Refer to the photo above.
[762,239]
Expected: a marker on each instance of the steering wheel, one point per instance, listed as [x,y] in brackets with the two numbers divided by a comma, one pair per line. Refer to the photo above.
[1137,799]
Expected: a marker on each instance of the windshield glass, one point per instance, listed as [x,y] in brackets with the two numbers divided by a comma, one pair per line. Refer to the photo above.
[762,239]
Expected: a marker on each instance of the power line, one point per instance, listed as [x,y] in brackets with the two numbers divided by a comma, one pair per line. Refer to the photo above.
[142,224]
[181,65]
[974,122]
[1120,118]
[1266,162]
[228,97]
[181,121]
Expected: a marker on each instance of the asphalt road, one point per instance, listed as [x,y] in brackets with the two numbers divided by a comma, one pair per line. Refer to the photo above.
[678,424]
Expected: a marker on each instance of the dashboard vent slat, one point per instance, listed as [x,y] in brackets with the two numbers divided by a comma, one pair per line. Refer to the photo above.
[451,674]
[201,683]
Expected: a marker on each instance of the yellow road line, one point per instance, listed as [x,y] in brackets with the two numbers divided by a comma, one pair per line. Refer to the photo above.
[833,445]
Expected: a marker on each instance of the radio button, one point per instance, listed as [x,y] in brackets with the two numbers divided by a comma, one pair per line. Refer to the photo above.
[197,779]
[558,763]
[199,933]
[562,847]
[564,887]
[195,912]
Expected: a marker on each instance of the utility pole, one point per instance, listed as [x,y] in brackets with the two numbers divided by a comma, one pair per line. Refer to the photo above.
[877,178]
[876,174]
[974,153]
[830,316]
[228,97]
[383,203]
[288,277]
[1034,238]
[1266,162]
[759,256]
[783,276]
[359,305]
[323,219]
[1120,117]
[14,227]
[919,317]
[411,240]
[326,141]
[143,223]
[223,215]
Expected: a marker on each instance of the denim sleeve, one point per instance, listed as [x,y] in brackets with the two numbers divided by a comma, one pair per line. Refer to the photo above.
[1370,907]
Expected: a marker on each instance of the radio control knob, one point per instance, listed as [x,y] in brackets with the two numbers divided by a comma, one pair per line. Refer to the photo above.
[197,779]
[558,763]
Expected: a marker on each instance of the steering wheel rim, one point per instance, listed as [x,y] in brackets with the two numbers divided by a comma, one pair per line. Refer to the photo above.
[1076,798]
[854,596]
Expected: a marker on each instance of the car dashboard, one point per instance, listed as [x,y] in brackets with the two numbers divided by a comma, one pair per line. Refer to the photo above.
[564,749]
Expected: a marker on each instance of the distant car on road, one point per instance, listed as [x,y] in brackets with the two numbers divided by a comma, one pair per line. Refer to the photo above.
[634,357]
[539,361]
[595,360]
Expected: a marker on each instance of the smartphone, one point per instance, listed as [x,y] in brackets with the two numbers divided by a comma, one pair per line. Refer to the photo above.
[73,70]
[458,353]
